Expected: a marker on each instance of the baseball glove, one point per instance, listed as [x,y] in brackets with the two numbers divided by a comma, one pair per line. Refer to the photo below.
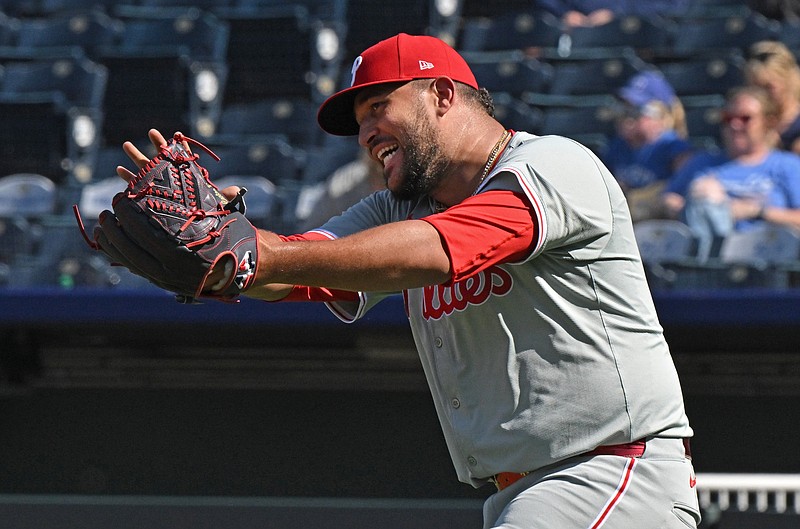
[172,226]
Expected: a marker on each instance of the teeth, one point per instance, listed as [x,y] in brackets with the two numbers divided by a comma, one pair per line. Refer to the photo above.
[386,152]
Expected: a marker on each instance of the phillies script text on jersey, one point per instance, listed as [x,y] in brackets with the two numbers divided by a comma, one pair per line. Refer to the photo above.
[441,300]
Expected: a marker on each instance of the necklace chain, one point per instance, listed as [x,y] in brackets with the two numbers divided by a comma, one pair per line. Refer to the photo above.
[438,207]
[491,159]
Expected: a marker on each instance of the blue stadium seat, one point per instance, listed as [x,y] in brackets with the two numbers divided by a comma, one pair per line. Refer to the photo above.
[108,157]
[65,7]
[576,116]
[369,21]
[321,160]
[492,8]
[205,5]
[515,114]
[24,200]
[69,262]
[178,31]
[293,119]
[511,73]
[273,52]
[664,244]
[34,137]
[591,76]
[262,199]
[87,31]
[27,195]
[157,90]
[509,31]
[703,115]
[9,28]
[81,81]
[97,196]
[788,32]
[764,257]
[645,35]
[692,37]
[271,158]
[699,9]
[663,240]
[703,76]
[327,10]
[576,120]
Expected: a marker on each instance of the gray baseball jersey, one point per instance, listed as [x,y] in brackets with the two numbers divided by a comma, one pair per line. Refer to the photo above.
[536,361]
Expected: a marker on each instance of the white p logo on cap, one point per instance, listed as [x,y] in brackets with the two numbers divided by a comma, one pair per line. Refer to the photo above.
[356,64]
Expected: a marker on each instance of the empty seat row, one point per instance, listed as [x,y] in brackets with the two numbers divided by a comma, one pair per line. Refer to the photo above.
[765,256]
[652,37]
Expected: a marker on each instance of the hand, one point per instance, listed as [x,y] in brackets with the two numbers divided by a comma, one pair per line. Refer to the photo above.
[178,232]
[747,208]
[157,139]
[710,189]
[136,155]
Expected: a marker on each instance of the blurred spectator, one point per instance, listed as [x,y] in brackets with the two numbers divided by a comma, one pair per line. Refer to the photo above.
[772,66]
[573,13]
[577,13]
[344,187]
[749,183]
[783,10]
[650,144]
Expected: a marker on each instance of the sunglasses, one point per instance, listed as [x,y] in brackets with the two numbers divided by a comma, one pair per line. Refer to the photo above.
[742,119]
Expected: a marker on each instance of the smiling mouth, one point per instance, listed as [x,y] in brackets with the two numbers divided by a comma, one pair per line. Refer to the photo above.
[385,154]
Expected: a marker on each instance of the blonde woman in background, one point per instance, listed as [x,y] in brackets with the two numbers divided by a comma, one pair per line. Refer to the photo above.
[772,66]
[651,142]
[746,184]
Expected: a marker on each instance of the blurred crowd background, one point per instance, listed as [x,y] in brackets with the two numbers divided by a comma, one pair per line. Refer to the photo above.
[693,105]
[712,179]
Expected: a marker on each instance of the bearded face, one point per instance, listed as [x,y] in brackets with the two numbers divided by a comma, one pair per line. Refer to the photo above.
[424,163]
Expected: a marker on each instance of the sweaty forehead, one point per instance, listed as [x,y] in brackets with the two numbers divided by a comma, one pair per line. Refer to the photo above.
[375,91]
[371,92]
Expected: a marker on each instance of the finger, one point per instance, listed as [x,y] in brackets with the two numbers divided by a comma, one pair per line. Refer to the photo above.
[124,173]
[156,138]
[230,192]
[135,154]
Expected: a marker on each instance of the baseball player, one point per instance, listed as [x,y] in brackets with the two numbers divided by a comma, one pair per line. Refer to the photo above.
[524,290]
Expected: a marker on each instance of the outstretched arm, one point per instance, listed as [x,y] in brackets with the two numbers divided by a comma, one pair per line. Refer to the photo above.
[395,256]
[391,257]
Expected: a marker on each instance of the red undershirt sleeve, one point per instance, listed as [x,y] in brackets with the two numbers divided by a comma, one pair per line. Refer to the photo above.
[490,228]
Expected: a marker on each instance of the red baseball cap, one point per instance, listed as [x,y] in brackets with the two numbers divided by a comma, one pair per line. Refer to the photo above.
[400,58]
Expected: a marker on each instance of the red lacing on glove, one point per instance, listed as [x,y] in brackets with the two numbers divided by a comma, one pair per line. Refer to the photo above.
[212,234]
[188,176]
[174,157]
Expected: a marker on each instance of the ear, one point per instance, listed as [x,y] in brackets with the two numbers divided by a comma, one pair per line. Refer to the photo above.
[444,89]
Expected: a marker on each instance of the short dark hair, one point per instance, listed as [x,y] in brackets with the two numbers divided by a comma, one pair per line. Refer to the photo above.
[480,97]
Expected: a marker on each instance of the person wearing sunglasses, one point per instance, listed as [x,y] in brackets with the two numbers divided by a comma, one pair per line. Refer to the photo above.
[747,183]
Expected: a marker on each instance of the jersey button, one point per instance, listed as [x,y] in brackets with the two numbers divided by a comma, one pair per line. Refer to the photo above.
[472,461]
[455,403]
[438,342]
